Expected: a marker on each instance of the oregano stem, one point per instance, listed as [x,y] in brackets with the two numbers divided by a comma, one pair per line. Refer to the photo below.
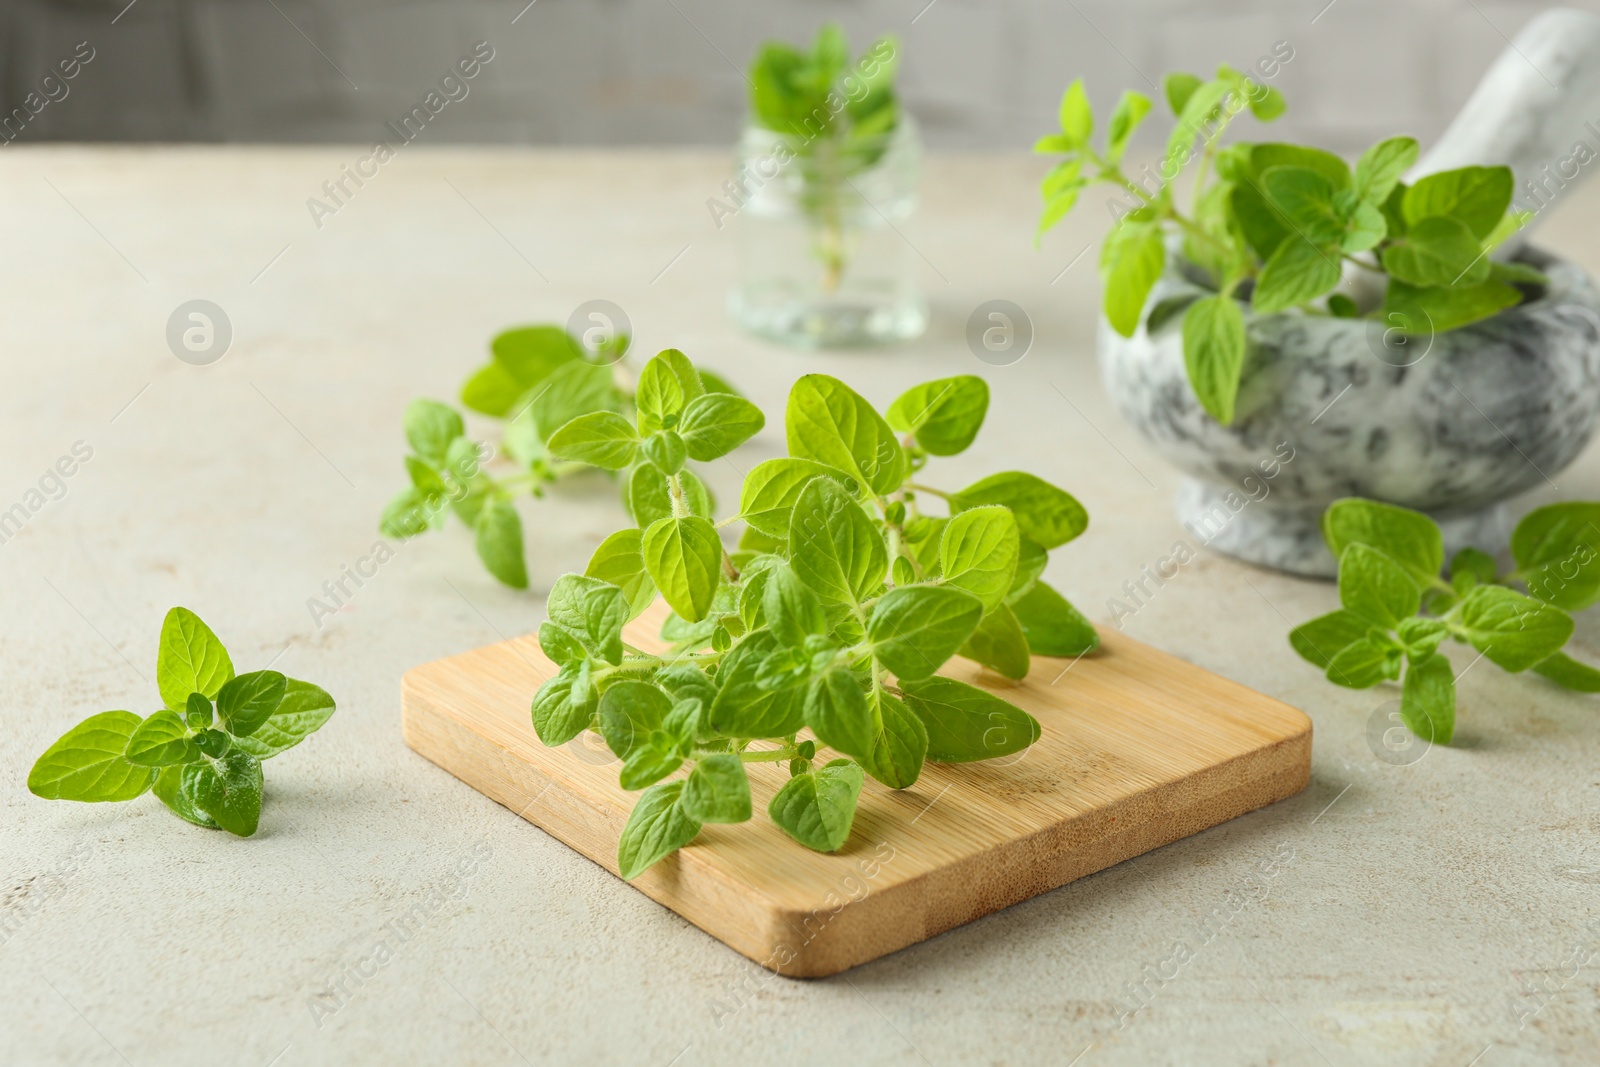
[680,506]
[919,488]
[1364,265]
[1165,210]
[777,755]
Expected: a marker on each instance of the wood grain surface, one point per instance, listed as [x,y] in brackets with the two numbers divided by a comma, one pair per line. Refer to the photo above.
[1139,749]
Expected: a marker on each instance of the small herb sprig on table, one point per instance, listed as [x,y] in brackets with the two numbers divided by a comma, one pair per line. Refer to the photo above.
[202,753]
[1397,609]
[834,119]
[825,627]
[1272,226]
[538,379]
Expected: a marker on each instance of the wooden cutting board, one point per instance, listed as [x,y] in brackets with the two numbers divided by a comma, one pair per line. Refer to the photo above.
[1138,750]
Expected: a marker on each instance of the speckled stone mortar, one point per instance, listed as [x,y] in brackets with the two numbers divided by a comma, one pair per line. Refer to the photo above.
[1452,425]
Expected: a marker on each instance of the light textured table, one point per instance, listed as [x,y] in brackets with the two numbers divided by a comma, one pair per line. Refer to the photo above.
[1404,915]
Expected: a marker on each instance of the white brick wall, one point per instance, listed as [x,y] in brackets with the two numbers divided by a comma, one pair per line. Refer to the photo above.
[977,75]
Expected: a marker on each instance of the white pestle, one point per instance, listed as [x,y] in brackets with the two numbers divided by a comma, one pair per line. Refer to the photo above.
[1537,111]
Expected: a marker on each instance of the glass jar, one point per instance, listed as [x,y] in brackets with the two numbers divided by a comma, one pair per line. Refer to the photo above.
[821,226]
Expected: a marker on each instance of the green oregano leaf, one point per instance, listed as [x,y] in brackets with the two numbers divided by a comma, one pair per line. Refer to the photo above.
[228,790]
[666,386]
[1131,264]
[169,789]
[1177,88]
[686,680]
[1569,673]
[1375,587]
[1298,271]
[1407,537]
[248,700]
[1045,514]
[1437,251]
[1306,199]
[1428,699]
[198,712]
[602,438]
[1051,625]
[190,659]
[656,828]
[999,644]
[943,415]
[430,427]
[1513,631]
[717,791]
[915,629]
[630,711]
[1130,111]
[684,559]
[978,552]
[1364,663]
[665,451]
[1075,116]
[837,711]
[830,423]
[304,709]
[899,741]
[570,392]
[411,512]
[1421,637]
[686,721]
[818,808]
[965,723]
[773,487]
[715,424]
[162,740]
[89,763]
[651,761]
[564,705]
[530,354]
[499,543]
[1471,567]
[619,561]
[834,548]
[789,608]
[1475,196]
[1213,353]
[1379,168]
[1557,549]
[753,700]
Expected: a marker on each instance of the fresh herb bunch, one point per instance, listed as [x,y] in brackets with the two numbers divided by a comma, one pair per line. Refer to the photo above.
[202,753]
[834,613]
[539,378]
[1397,609]
[833,118]
[1273,225]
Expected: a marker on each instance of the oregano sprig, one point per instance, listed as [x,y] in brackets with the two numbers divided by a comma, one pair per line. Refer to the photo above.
[833,120]
[539,378]
[202,753]
[1396,608]
[1272,227]
[823,629]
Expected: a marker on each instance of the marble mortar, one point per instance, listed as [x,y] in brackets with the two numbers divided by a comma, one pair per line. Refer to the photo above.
[1452,424]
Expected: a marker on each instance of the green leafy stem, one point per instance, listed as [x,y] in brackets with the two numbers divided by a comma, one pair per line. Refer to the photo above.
[834,119]
[1397,609]
[538,379]
[831,616]
[201,754]
[1274,225]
